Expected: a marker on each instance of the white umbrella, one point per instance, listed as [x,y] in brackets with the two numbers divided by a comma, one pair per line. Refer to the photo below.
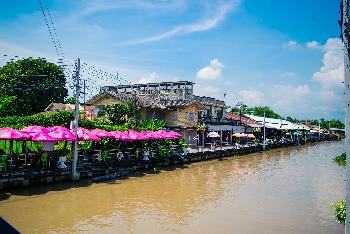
[213,134]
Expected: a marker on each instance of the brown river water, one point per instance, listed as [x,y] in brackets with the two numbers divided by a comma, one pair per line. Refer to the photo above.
[279,191]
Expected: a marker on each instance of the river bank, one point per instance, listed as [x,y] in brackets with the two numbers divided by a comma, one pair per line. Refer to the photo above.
[121,169]
[284,190]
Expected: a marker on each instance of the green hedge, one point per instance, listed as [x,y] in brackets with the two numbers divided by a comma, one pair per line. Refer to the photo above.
[63,118]
[46,120]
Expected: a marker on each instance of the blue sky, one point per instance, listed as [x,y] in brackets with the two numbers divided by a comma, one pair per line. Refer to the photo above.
[285,54]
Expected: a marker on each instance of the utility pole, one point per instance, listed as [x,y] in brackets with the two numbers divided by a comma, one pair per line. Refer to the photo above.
[84,101]
[319,130]
[345,37]
[264,142]
[75,175]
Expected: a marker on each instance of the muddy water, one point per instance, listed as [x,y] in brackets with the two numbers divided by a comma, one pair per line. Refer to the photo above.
[280,191]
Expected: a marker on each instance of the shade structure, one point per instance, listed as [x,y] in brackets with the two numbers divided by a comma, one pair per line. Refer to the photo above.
[101,133]
[12,134]
[150,135]
[213,134]
[31,130]
[174,134]
[135,135]
[62,135]
[250,135]
[239,135]
[58,128]
[42,137]
[84,136]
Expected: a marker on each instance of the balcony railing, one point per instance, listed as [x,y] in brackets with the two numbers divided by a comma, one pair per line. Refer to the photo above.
[216,120]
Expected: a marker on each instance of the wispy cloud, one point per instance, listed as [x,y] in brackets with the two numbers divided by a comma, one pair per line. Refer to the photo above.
[203,25]
[95,6]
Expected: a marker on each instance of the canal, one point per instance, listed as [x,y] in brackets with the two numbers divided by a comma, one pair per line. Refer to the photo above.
[284,190]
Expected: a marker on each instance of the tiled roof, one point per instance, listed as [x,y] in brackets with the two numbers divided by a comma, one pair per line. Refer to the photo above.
[155,101]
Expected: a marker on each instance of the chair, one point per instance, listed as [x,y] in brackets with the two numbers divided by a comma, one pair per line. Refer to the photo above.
[44,159]
[3,167]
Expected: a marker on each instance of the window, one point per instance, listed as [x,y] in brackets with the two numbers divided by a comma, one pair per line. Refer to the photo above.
[173,115]
[191,116]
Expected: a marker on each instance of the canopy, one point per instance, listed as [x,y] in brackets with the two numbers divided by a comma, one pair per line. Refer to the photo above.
[12,134]
[213,134]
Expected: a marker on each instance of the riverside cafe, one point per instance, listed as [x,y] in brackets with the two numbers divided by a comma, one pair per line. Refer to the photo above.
[277,129]
[38,148]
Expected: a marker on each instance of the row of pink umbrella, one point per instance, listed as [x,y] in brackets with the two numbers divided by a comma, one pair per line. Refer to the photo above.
[58,133]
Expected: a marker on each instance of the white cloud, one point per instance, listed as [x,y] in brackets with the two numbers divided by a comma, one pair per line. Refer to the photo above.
[251,97]
[313,45]
[290,44]
[150,78]
[203,25]
[331,74]
[211,72]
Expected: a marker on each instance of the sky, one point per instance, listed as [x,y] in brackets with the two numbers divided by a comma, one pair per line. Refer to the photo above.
[284,54]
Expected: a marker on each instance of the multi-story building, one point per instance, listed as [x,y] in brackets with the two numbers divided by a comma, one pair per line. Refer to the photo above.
[175,103]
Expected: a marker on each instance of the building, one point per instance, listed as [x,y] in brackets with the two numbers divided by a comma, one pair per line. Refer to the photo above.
[175,103]
[85,111]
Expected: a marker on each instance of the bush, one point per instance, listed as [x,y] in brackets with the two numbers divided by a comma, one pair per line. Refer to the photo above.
[340,211]
[341,159]
[46,120]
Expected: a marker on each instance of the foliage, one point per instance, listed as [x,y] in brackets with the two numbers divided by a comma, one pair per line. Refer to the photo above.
[6,105]
[119,114]
[70,100]
[34,82]
[257,111]
[340,211]
[46,120]
[157,169]
[341,159]
[151,124]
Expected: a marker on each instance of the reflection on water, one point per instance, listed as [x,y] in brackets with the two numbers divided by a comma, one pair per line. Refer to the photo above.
[279,191]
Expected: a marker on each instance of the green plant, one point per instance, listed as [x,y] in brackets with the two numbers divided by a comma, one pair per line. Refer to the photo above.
[340,211]
[157,169]
[341,159]
[35,83]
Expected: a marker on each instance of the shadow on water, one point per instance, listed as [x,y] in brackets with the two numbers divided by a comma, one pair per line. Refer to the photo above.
[41,189]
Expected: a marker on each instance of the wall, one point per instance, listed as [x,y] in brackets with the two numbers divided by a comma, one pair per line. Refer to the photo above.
[182,119]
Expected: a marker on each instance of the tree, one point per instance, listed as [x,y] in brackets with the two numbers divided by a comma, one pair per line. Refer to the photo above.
[34,83]
[269,113]
[70,100]
[119,114]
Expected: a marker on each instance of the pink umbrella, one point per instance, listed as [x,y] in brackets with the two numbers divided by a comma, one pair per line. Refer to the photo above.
[12,134]
[83,136]
[101,133]
[124,137]
[58,128]
[34,129]
[135,135]
[62,136]
[42,137]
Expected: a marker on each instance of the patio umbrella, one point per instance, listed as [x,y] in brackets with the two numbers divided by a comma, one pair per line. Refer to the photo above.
[250,135]
[84,136]
[58,128]
[62,136]
[213,134]
[31,130]
[135,135]
[12,134]
[101,133]
[42,137]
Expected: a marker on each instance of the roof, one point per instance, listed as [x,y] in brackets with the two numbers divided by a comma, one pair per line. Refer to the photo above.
[154,101]
[67,107]
[244,119]
[277,123]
